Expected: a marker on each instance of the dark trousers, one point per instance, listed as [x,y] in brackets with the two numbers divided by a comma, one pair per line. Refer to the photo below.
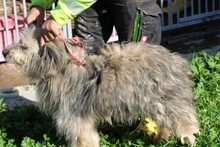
[95,24]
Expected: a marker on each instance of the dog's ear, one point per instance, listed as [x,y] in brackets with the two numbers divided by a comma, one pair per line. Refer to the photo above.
[31,31]
[36,31]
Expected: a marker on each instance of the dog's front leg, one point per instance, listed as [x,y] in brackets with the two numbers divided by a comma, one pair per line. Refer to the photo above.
[78,131]
[88,135]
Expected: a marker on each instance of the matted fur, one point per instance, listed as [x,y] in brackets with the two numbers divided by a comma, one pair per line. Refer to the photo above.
[118,84]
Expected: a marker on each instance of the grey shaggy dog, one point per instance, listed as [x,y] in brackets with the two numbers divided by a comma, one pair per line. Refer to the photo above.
[117,85]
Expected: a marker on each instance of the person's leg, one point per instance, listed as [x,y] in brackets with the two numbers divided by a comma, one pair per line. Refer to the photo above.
[149,25]
[123,14]
[150,22]
[105,18]
[87,27]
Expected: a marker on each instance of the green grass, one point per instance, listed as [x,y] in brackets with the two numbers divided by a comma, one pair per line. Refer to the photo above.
[27,127]
[206,78]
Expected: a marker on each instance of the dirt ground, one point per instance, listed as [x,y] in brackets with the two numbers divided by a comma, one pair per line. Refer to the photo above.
[11,76]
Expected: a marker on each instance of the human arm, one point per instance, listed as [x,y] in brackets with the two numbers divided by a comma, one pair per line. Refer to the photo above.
[69,9]
[65,10]
[37,11]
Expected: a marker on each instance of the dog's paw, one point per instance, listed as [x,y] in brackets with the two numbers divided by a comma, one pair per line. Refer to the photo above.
[189,139]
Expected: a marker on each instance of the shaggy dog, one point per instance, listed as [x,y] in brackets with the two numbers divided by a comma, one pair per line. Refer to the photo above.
[118,84]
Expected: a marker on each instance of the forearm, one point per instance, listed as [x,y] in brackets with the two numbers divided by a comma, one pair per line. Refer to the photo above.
[69,9]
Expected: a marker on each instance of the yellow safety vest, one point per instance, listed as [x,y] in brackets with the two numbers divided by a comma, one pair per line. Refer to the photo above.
[65,9]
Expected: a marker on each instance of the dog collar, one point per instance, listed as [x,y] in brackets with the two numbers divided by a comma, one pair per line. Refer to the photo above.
[74,40]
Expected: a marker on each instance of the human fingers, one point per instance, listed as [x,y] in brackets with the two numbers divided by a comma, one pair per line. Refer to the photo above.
[55,29]
[42,42]
[61,35]
[50,26]
[49,36]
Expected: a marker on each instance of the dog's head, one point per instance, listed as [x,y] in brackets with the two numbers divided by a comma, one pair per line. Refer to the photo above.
[37,61]
[28,45]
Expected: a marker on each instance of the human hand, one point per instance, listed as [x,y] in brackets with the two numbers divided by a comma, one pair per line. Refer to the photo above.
[36,16]
[50,31]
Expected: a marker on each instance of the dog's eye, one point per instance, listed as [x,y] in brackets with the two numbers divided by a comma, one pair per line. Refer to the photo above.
[24,47]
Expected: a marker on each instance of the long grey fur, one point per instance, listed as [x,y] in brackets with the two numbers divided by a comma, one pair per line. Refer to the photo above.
[118,84]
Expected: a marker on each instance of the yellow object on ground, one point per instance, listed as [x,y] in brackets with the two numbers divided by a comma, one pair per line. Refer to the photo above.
[149,126]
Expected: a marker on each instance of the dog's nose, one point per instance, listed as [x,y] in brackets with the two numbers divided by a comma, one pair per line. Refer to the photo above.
[5,52]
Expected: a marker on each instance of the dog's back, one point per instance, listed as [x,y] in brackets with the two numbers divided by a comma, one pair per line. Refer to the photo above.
[137,76]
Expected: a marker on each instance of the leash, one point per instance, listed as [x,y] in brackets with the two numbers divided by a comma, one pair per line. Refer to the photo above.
[73,41]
